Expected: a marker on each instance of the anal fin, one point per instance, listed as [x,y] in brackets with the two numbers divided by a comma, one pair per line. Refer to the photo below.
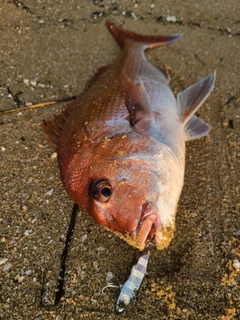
[196,128]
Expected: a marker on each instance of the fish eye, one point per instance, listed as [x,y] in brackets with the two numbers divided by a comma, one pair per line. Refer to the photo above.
[106,192]
[103,191]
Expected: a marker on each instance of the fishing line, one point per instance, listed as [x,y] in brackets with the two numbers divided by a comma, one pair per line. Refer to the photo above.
[60,288]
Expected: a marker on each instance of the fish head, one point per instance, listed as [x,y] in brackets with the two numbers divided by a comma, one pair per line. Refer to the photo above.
[122,197]
[131,193]
[137,198]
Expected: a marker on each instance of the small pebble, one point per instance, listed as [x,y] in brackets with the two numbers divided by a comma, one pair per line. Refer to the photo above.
[3,148]
[84,237]
[54,155]
[28,272]
[4,260]
[134,15]
[27,232]
[95,265]
[33,82]
[171,18]
[50,192]
[41,85]
[236,264]
[109,276]
[24,208]
[20,278]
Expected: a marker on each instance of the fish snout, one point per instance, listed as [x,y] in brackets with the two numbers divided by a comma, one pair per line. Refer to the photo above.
[147,225]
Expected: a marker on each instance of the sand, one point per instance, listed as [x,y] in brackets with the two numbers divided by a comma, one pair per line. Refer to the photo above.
[48,50]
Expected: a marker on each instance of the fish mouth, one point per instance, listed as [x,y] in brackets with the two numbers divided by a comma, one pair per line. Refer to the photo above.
[147,225]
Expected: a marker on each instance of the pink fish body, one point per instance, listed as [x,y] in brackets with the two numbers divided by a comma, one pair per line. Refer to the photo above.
[121,143]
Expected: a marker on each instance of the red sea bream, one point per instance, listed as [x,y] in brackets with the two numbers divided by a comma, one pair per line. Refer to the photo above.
[121,143]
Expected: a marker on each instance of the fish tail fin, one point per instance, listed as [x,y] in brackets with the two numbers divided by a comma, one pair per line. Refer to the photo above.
[189,101]
[121,36]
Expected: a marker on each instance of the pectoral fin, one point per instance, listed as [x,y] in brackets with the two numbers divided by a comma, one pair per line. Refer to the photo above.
[136,100]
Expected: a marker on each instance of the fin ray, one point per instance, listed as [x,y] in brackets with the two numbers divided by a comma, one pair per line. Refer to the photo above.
[53,127]
[136,100]
[190,100]
[196,128]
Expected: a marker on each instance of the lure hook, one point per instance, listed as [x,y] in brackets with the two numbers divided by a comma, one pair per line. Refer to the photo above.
[111,285]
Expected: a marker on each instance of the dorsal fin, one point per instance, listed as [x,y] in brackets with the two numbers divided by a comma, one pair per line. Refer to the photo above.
[121,35]
[190,100]
[136,100]
[98,73]
[53,127]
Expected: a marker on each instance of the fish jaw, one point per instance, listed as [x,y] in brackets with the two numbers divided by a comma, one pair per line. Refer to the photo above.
[147,225]
[158,224]
[164,235]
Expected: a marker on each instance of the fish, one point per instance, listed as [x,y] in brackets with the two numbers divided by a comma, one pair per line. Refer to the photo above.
[121,143]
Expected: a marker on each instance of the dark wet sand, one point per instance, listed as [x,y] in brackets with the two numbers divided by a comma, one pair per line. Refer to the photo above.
[48,50]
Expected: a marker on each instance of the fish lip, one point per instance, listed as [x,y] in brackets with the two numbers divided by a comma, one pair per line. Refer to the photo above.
[147,225]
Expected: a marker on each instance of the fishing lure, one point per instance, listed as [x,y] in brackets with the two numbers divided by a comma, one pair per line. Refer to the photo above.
[129,289]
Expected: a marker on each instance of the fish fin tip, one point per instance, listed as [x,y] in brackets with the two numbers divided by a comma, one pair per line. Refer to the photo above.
[136,99]
[121,35]
[190,100]
[51,136]
[53,127]
[196,128]
[94,78]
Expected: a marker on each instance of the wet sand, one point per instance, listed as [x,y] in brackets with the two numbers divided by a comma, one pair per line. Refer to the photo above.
[48,51]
